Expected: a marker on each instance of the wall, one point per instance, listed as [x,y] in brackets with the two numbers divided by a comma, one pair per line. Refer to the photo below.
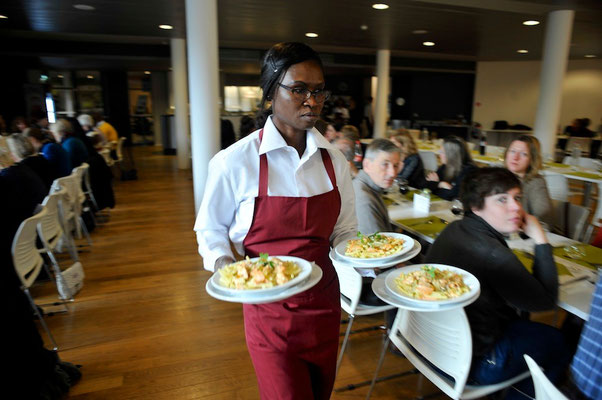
[509,91]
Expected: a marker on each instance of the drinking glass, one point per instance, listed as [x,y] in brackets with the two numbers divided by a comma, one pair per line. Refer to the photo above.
[456,207]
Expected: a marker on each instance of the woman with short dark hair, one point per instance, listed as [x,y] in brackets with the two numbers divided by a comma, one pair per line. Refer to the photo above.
[284,190]
[492,204]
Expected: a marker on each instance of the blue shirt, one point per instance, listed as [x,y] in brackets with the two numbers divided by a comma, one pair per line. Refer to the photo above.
[76,150]
[587,363]
[58,158]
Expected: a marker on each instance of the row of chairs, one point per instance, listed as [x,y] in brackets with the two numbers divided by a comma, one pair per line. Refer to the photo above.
[117,147]
[56,222]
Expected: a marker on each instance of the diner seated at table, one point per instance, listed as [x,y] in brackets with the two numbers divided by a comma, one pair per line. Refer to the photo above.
[352,133]
[413,169]
[347,147]
[23,152]
[53,152]
[523,158]
[380,166]
[501,335]
[63,133]
[456,163]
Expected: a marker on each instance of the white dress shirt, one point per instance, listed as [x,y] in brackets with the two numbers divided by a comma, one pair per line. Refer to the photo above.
[226,211]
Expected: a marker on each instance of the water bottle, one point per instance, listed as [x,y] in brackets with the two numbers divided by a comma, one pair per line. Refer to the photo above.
[483,145]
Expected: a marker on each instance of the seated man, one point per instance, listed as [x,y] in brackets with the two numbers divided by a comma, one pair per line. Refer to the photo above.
[492,200]
[380,167]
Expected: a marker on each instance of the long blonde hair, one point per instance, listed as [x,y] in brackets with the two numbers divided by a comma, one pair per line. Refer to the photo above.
[534,155]
[406,143]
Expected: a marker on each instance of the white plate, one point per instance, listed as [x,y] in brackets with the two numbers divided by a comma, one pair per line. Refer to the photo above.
[371,265]
[250,297]
[469,280]
[407,246]
[305,271]
[381,291]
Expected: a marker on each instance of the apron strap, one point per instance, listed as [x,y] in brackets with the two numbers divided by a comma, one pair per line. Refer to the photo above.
[263,169]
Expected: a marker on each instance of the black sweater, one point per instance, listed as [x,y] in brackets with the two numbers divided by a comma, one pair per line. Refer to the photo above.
[454,192]
[506,286]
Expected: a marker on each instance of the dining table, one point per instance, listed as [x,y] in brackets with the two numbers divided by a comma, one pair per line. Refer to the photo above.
[577,262]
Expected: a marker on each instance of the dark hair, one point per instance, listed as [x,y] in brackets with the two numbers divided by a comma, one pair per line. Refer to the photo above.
[484,182]
[274,65]
[457,155]
[247,125]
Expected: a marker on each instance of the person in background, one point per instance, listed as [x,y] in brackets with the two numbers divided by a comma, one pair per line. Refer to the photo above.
[351,132]
[19,124]
[347,147]
[456,163]
[105,128]
[326,128]
[53,152]
[369,115]
[23,152]
[87,123]
[413,169]
[101,176]
[523,158]
[63,133]
[579,128]
[284,190]
[340,111]
[247,125]
[492,202]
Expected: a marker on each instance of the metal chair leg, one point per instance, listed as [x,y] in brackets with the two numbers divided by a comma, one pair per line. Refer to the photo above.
[35,309]
[383,351]
[344,345]
[85,230]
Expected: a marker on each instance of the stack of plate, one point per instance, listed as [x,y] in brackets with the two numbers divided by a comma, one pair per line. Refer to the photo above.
[385,287]
[409,250]
[309,276]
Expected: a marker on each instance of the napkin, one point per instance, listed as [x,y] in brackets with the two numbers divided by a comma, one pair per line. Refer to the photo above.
[410,195]
[430,226]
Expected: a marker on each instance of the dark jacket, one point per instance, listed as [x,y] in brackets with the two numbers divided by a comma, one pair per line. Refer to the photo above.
[454,192]
[58,158]
[42,167]
[101,180]
[506,285]
[413,171]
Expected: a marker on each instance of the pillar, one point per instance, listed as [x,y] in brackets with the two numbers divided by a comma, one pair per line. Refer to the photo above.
[180,90]
[382,93]
[203,85]
[555,58]
[159,94]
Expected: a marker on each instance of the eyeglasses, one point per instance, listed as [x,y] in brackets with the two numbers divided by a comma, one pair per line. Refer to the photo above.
[302,94]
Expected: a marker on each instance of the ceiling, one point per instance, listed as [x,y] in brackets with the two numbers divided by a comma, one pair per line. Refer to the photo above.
[125,33]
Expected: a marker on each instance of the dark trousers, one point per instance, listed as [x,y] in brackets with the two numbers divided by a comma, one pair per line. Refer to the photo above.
[544,343]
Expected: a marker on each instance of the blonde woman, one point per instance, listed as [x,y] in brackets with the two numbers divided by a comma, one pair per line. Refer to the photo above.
[413,169]
[523,159]
[456,163]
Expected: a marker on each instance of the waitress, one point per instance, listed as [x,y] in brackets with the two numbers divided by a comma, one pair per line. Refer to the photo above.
[284,190]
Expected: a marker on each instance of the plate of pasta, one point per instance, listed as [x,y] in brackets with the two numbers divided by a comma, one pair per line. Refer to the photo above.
[377,247]
[261,275]
[433,284]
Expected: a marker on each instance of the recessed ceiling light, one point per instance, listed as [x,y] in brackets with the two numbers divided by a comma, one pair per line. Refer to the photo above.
[165,26]
[3,17]
[311,34]
[420,31]
[60,76]
[522,51]
[90,76]
[590,56]
[364,27]
[428,43]
[146,72]
[84,7]
[531,22]
[380,6]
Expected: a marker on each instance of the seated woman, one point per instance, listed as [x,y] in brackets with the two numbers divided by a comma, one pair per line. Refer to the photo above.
[492,200]
[456,163]
[413,169]
[23,152]
[53,152]
[523,158]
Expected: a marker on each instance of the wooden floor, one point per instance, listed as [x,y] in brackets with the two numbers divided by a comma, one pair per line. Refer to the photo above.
[143,326]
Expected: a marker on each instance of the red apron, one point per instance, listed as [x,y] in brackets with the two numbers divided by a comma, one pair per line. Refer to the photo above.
[293,343]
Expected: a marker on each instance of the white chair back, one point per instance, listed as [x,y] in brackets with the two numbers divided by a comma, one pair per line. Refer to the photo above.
[27,260]
[444,340]
[569,219]
[119,150]
[429,160]
[50,228]
[544,389]
[106,155]
[558,186]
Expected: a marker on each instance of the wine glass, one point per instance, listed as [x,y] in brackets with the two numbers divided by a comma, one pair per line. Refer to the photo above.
[402,184]
[456,207]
